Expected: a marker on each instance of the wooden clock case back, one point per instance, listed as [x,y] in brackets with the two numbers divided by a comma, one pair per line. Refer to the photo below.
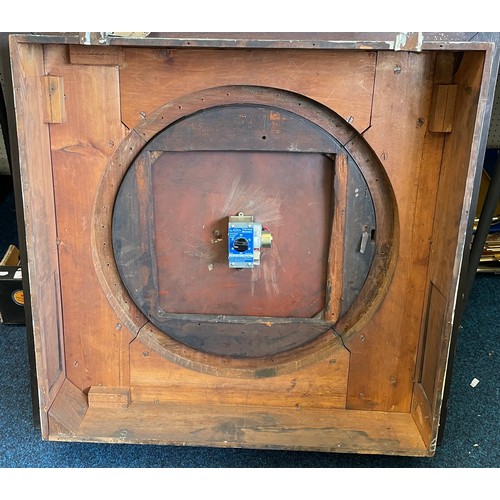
[358,152]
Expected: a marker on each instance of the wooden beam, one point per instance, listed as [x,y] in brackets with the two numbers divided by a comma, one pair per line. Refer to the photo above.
[333,305]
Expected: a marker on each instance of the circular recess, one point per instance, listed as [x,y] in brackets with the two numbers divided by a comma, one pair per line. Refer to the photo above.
[313,182]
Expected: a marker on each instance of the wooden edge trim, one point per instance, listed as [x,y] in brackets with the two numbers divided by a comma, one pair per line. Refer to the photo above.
[317,41]
[108,397]
[456,299]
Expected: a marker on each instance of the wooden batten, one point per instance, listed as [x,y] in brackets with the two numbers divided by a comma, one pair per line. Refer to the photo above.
[145,68]
[259,427]
[335,273]
[108,397]
[154,378]
[95,55]
[423,224]
[74,198]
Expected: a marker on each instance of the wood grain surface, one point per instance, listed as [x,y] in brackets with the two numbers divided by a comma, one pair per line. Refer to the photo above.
[146,336]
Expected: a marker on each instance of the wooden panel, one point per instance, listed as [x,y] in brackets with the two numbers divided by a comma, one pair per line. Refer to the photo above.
[431,366]
[54,111]
[286,104]
[52,344]
[322,385]
[383,352]
[361,227]
[342,81]
[423,224]
[443,108]
[289,193]
[68,410]
[241,336]
[255,427]
[152,260]
[296,358]
[39,219]
[433,335]
[80,150]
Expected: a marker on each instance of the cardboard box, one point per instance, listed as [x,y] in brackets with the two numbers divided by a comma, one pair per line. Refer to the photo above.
[11,288]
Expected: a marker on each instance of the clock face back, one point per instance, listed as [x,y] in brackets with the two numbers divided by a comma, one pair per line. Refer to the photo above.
[279,172]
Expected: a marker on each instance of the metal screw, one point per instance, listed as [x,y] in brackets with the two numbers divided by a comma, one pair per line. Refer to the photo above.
[397,69]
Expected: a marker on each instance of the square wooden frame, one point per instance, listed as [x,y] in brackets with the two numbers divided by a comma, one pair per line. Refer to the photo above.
[72,411]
